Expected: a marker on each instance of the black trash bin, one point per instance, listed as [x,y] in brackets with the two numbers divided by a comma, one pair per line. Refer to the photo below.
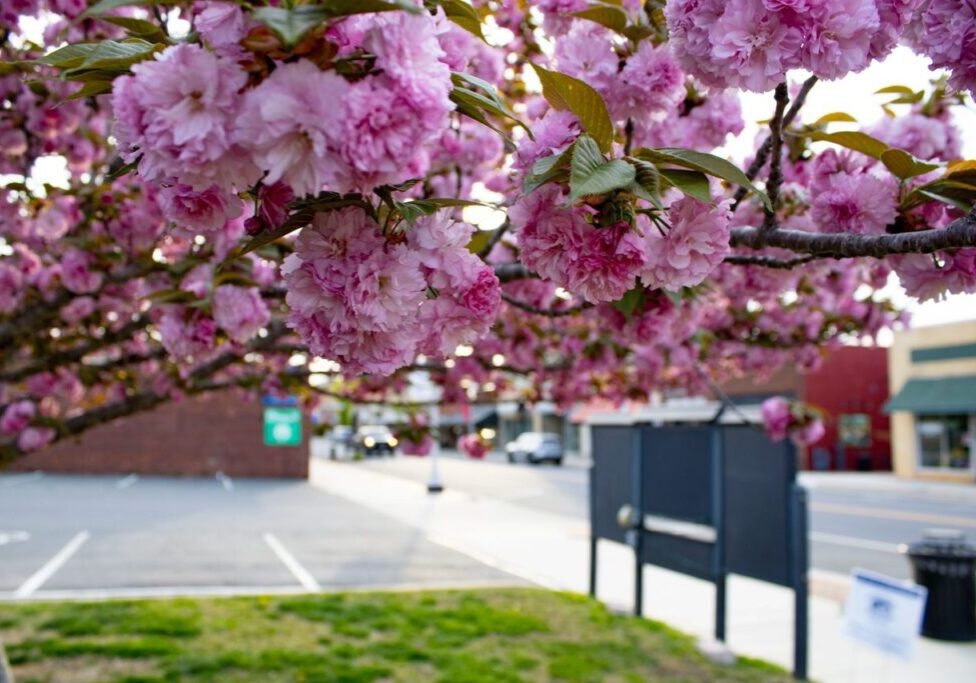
[946,565]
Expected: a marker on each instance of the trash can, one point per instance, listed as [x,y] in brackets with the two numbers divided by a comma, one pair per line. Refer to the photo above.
[946,565]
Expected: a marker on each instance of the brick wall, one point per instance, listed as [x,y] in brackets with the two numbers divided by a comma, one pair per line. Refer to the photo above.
[195,437]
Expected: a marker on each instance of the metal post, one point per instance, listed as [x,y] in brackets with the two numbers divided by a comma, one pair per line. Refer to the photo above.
[638,530]
[593,547]
[718,519]
[434,484]
[799,561]
[594,541]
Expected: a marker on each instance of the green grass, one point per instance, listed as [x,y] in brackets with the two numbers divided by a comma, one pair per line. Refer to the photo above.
[485,636]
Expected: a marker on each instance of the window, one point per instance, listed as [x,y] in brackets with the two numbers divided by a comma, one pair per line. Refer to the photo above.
[854,430]
[945,441]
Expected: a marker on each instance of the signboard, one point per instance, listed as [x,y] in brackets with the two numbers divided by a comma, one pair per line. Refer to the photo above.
[282,426]
[884,613]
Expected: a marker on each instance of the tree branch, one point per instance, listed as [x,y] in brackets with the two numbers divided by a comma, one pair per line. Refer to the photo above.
[548,312]
[762,154]
[775,179]
[960,233]
[496,237]
[769,261]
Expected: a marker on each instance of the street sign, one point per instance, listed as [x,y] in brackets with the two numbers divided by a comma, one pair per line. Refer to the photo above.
[282,426]
[884,612]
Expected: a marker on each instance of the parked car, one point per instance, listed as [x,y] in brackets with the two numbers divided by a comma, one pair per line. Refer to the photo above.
[374,440]
[536,447]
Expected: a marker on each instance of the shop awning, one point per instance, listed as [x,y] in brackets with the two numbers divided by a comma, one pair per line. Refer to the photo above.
[942,396]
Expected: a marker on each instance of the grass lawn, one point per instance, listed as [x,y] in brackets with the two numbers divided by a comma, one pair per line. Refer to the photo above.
[473,636]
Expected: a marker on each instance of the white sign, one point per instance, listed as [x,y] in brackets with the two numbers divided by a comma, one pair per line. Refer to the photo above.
[884,612]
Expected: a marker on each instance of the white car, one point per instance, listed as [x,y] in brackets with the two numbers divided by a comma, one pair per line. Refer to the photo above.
[536,447]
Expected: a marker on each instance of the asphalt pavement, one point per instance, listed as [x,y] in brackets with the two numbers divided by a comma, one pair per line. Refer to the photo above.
[850,526]
[87,536]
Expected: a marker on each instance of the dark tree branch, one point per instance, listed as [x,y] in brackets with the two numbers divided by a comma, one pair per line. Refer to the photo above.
[769,261]
[960,233]
[548,312]
[762,154]
[775,179]
[61,358]
[496,237]
[509,272]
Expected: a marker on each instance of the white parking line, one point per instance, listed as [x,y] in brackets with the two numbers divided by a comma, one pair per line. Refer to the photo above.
[225,481]
[15,479]
[13,537]
[126,482]
[297,570]
[38,578]
[852,542]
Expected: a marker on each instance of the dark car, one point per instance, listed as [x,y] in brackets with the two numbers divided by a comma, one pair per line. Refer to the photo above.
[536,447]
[374,440]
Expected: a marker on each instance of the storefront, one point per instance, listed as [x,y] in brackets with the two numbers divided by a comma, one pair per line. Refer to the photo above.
[933,404]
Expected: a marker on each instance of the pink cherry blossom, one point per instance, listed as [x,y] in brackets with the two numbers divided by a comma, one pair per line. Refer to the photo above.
[77,272]
[193,212]
[35,438]
[239,311]
[695,244]
[291,123]
[175,115]
[776,416]
[858,203]
[16,417]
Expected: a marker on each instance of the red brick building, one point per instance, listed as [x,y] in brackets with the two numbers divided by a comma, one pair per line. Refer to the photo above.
[199,436]
[851,388]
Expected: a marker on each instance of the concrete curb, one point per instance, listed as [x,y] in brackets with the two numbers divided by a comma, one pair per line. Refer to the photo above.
[6,674]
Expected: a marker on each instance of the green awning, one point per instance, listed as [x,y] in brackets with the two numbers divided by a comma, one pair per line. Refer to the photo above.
[944,396]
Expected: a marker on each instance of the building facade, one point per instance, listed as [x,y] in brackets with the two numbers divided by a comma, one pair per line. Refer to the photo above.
[933,404]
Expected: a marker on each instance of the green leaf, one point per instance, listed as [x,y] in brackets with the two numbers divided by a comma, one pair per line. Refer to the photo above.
[591,174]
[485,97]
[91,88]
[171,296]
[567,93]
[957,203]
[903,165]
[834,117]
[856,140]
[345,8]
[708,164]
[291,25]
[480,240]
[614,18]
[103,6]
[140,28]
[547,169]
[464,15]
[895,90]
[418,208]
[692,183]
[68,56]
[112,58]
[647,181]
[631,301]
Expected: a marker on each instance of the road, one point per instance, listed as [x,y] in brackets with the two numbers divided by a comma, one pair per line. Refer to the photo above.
[848,528]
[77,536]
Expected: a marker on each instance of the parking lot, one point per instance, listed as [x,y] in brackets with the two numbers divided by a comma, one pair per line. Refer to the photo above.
[83,536]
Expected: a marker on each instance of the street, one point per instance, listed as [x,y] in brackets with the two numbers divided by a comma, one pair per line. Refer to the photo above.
[848,527]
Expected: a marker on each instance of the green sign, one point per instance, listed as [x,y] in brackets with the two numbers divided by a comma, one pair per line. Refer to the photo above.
[282,427]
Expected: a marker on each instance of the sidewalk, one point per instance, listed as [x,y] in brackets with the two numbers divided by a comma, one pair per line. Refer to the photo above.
[553,551]
[886,482]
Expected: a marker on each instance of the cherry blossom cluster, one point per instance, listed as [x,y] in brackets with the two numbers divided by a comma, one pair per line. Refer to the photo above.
[373,301]
[783,418]
[751,44]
